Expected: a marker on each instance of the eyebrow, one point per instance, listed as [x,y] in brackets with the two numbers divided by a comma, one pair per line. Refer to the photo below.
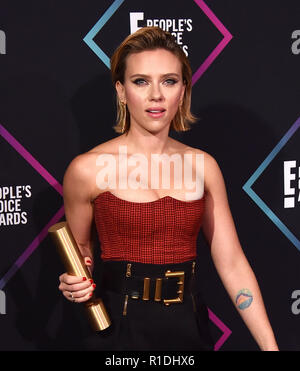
[147,76]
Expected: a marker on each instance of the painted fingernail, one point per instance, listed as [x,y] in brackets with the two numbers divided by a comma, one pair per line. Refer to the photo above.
[83,278]
[91,281]
[94,285]
[89,261]
[91,294]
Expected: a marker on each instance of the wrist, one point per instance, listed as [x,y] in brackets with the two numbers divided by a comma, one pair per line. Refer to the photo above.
[270,348]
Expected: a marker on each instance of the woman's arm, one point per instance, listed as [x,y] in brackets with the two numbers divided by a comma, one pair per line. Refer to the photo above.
[77,193]
[229,259]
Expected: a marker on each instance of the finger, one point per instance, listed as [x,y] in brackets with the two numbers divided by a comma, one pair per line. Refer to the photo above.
[84,298]
[88,261]
[70,279]
[77,286]
[83,293]
[69,296]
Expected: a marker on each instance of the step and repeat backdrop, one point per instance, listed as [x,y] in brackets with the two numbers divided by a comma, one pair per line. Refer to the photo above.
[57,101]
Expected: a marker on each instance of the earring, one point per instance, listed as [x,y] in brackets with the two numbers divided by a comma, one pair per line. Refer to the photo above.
[123,116]
[181,118]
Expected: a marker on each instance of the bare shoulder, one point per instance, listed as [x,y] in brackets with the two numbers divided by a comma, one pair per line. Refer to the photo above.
[81,171]
[84,164]
[77,181]
[110,147]
[183,148]
[81,166]
[212,171]
[209,160]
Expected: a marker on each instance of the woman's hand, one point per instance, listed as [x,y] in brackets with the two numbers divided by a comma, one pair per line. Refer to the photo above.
[77,289]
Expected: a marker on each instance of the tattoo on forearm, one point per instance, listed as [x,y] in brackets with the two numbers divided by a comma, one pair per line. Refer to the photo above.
[244,299]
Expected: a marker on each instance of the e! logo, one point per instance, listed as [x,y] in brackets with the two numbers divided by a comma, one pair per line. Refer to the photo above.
[290,171]
[135,17]
[2,302]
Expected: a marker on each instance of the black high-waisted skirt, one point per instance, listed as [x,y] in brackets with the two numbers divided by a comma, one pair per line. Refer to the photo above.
[148,325]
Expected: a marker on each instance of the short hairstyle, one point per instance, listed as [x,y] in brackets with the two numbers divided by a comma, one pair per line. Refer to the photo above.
[151,38]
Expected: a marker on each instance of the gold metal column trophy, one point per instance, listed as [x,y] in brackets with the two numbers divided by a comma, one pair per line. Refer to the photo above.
[74,263]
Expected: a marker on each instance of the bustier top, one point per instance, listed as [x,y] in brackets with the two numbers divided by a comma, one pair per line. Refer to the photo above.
[163,231]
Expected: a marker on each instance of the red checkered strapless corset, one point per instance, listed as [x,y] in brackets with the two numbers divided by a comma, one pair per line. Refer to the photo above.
[163,231]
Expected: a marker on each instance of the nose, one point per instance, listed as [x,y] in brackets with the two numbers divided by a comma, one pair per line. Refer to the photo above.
[155,92]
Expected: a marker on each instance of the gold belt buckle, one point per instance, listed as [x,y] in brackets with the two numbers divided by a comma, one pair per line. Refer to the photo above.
[180,283]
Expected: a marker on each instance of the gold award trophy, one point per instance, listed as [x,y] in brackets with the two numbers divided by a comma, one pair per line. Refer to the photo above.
[74,263]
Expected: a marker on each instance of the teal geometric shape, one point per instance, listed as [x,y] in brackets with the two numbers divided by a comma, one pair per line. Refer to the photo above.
[95,29]
[260,203]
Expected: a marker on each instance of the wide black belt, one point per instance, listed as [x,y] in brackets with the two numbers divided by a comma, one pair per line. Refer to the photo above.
[162,283]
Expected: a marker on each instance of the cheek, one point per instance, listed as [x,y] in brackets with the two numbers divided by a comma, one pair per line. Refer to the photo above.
[174,99]
[133,98]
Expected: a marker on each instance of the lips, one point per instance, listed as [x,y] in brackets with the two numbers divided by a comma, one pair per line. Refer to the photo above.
[155,110]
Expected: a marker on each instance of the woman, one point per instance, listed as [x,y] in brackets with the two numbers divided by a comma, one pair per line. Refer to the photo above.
[147,230]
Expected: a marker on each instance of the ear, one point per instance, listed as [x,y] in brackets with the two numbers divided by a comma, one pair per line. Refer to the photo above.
[120,91]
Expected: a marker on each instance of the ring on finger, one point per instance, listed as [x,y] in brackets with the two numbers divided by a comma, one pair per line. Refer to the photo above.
[71,296]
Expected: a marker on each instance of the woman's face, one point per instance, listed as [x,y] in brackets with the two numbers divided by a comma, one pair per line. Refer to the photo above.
[153,89]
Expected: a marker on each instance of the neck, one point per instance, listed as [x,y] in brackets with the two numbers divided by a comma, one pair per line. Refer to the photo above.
[146,142]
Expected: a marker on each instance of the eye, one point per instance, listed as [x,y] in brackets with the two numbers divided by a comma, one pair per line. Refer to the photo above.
[140,82]
[170,81]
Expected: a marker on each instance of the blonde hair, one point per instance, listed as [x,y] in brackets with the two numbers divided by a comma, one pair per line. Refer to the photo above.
[151,38]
